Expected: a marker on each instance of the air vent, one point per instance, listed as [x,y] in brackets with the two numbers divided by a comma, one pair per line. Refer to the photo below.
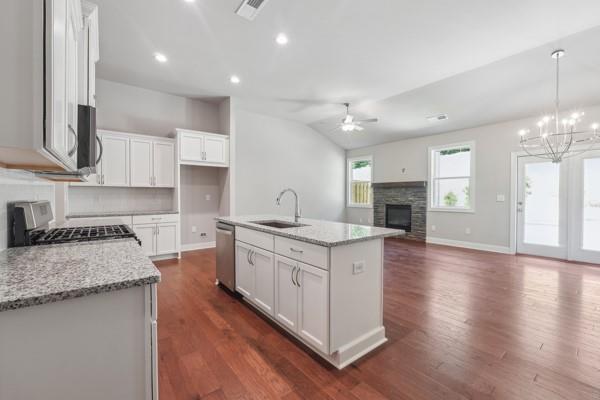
[249,9]
[437,118]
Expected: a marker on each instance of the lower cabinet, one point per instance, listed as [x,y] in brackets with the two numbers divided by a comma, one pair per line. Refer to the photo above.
[295,294]
[158,239]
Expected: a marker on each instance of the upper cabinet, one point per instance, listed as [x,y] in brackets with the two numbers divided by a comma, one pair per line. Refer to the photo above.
[133,160]
[89,46]
[202,148]
[43,80]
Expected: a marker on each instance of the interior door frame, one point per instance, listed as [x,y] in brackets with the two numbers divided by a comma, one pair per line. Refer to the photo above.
[562,251]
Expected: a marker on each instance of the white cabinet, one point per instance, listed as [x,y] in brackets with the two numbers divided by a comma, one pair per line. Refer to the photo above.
[244,273]
[159,234]
[286,297]
[152,163]
[89,54]
[302,300]
[115,160]
[141,162]
[146,234]
[166,238]
[133,160]
[202,148]
[313,305]
[163,164]
[263,263]
[113,167]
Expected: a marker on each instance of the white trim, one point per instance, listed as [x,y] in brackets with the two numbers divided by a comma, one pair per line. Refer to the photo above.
[198,246]
[472,180]
[470,245]
[349,180]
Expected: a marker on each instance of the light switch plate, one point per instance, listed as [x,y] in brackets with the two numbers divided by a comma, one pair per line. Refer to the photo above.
[358,267]
[207,197]
[500,198]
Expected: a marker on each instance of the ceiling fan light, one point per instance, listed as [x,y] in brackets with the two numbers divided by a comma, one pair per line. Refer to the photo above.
[347,127]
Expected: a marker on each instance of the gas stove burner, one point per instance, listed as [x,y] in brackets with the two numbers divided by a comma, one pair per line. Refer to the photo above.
[80,234]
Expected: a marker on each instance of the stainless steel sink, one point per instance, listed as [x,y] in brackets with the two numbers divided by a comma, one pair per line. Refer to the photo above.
[278,224]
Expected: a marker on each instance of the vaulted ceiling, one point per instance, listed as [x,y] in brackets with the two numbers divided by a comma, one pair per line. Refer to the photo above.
[479,61]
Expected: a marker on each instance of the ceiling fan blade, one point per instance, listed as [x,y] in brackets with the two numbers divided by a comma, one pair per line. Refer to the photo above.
[368,120]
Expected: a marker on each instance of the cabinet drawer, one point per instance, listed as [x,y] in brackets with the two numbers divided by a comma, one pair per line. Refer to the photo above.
[302,251]
[255,238]
[155,219]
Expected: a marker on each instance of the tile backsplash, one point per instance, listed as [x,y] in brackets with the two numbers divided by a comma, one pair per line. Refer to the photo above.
[85,199]
[16,186]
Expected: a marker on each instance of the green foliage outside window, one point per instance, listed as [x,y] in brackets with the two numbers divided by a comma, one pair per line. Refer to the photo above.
[450,199]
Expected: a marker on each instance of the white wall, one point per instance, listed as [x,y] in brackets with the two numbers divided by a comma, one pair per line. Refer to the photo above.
[273,154]
[20,186]
[200,211]
[132,109]
[490,224]
[86,199]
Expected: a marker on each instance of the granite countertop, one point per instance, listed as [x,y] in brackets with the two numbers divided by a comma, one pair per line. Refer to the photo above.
[117,214]
[322,233]
[45,274]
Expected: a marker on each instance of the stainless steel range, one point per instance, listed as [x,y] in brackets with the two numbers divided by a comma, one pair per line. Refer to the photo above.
[28,225]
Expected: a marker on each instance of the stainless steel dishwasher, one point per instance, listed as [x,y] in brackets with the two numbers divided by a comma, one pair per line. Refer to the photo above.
[226,255]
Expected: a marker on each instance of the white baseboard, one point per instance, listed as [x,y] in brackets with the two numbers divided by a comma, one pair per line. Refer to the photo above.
[470,245]
[198,246]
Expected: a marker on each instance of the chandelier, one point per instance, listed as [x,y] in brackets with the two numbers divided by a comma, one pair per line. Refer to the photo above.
[556,139]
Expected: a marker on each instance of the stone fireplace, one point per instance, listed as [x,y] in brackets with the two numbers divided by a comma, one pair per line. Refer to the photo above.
[401,205]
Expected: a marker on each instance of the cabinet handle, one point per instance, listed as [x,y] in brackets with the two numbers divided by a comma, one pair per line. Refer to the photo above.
[253,258]
[248,257]
[98,179]
[293,270]
[158,230]
[102,180]
[101,148]
[296,250]
[297,281]
[74,149]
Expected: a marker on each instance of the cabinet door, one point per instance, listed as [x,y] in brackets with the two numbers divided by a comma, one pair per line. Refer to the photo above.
[214,149]
[191,147]
[57,139]
[264,278]
[72,80]
[167,238]
[146,234]
[244,274]
[164,164]
[313,306]
[286,292]
[141,162]
[115,160]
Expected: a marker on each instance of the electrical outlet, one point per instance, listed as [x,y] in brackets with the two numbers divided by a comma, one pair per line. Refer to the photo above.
[207,197]
[500,198]
[358,267]
[194,229]
[468,231]
[433,228]
[203,234]
[360,220]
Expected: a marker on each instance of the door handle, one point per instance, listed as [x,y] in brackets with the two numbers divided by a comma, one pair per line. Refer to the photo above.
[292,275]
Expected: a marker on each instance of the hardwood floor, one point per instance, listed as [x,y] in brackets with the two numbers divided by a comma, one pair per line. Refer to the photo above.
[461,324]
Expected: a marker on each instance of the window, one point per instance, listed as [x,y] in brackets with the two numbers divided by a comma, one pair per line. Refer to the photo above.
[360,175]
[452,177]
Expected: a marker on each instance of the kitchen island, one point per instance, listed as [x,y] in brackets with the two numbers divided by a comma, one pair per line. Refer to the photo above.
[78,321]
[321,281]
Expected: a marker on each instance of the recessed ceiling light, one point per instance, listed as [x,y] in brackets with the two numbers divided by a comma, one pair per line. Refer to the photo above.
[282,39]
[234,79]
[161,58]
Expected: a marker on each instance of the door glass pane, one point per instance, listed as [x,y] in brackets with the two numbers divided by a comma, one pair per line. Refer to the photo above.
[542,204]
[591,204]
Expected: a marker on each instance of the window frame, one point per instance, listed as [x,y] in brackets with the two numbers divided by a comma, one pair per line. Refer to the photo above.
[349,162]
[472,192]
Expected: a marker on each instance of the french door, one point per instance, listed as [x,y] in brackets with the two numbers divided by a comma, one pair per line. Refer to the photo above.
[558,207]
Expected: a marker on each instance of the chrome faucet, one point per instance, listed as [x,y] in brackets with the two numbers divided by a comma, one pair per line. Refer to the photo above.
[278,202]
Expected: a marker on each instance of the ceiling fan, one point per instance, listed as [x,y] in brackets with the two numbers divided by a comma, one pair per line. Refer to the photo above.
[349,124]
